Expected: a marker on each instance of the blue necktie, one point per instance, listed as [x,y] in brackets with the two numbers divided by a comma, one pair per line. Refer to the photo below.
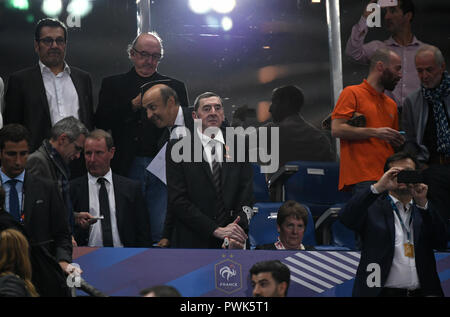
[14,209]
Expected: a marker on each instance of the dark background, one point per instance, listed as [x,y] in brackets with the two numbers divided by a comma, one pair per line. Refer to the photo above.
[287,39]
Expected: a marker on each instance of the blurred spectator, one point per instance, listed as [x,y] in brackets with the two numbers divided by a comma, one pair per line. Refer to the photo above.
[399,230]
[270,279]
[398,21]
[160,291]
[426,122]
[299,140]
[15,266]
[365,149]
[244,117]
[292,219]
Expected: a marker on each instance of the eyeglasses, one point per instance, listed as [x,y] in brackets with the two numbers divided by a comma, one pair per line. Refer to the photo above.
[143,54]
[48,41]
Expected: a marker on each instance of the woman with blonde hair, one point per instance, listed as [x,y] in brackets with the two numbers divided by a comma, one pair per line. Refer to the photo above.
[15,266]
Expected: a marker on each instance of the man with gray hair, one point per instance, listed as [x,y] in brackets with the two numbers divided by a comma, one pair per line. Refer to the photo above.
[121,112]
[51,160]
[427,124]
[365,149]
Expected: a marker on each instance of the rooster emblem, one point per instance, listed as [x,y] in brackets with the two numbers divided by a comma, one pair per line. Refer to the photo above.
[227,272]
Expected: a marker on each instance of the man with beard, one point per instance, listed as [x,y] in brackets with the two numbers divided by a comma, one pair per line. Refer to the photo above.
[402,41]
[42,95]
[399,229]
[365,149]
[426,121]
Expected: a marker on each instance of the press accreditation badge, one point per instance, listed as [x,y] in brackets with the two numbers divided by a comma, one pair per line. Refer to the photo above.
[409,250]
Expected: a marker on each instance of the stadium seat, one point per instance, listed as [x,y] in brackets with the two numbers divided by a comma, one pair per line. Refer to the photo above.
[260,189]
[316,185]
[263,225]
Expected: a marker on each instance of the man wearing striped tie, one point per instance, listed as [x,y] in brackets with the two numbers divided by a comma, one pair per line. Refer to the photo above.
[207,189]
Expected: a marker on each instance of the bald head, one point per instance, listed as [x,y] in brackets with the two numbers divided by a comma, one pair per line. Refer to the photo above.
[145,52]
[162,105]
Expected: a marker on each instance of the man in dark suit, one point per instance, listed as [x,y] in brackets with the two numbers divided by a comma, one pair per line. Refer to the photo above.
[399,229]
[40,96]
[206,189]
[35,203]
[117,199]
[164,110]
[120,111]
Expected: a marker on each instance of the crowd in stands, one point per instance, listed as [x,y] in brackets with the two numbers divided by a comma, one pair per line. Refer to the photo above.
[148,168]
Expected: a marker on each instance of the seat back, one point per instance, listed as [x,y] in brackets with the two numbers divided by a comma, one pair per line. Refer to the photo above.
[341,236]
[260,189]
[316,185]
[263,225]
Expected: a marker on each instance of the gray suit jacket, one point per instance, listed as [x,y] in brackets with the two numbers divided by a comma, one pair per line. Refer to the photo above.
[414,121]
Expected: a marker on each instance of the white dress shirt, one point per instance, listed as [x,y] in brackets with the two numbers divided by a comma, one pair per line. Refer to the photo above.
[61,93]
[95,230]
[403,273]
[7,187]
[208,143]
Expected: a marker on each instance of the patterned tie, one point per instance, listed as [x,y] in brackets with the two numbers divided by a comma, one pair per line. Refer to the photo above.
[105,212]
[14,209]
[217,179]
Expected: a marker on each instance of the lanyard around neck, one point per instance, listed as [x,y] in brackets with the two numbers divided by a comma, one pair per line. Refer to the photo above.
[407,230]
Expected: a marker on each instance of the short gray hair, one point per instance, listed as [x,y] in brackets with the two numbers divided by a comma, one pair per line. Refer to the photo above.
[71,126]
[438,57]
[99,134]
[154,34]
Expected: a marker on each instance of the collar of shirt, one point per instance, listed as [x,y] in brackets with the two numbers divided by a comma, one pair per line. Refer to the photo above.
[5,178]
[372,90]
[45,69]
[93,179]
[391,42]
[279,245]
[206,139]
[406,208]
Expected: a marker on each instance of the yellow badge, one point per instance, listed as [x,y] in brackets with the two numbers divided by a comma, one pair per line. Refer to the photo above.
[409,250]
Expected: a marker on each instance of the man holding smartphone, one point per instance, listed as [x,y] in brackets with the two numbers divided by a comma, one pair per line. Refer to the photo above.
[399,229]
[398,21]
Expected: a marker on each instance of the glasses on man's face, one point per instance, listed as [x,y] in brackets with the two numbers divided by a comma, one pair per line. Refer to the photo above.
[48,41]
[143,54]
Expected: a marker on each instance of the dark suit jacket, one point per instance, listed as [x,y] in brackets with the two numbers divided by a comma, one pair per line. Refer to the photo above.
[372,217]
[300,141]
[192,198]
[26,102]
[46,220]
[132,217]
[132,131]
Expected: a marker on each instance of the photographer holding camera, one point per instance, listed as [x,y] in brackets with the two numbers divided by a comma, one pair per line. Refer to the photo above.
[399,229]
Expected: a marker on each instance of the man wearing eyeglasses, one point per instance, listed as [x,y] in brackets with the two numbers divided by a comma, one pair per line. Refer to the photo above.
[120,110]
[51,161]
[42,95]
